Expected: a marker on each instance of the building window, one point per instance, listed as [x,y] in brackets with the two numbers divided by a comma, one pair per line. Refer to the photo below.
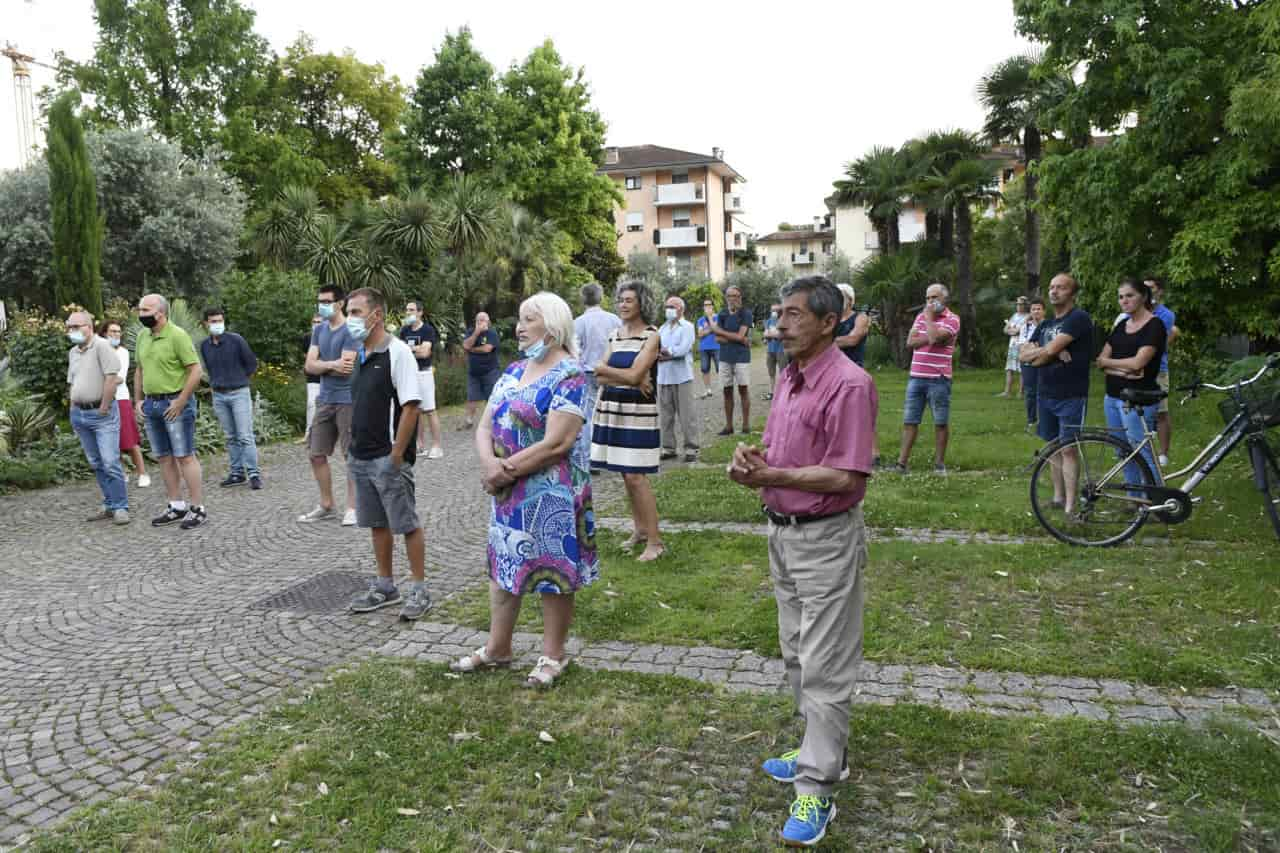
[633,182]
[680,178]
[827,247]
[803,250]
[635,221]
[681,219]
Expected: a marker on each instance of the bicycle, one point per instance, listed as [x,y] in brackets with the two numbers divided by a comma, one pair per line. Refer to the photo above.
[1116,490]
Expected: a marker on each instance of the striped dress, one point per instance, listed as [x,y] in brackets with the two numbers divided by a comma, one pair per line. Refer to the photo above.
[624,429]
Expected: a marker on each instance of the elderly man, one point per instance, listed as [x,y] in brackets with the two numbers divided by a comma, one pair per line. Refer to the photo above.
[813,476]
[164,387]
[483,369]
[732,328]
[933,343]
[592,330]
[93,372]
[675,382]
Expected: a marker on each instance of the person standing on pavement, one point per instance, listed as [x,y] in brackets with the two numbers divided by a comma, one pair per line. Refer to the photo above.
[130,440]
[313,381]
[384,429]
[708,347]
[675,382]
[423,338]
[775,355]
[732,328]
[812,473]
[331,356]
[592,330]
[231,363]
[483,369]
[164,387]
[93,372]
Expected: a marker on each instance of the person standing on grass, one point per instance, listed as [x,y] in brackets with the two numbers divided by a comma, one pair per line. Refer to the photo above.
[775,357]
[534,454]
[231,364]
[1164,427]
[332,357]
[93,372]
[812,473]
[1013,327]
[423,338]
[708,346]
[1030,373]
[130,439]
[1061,349]
[732,328]
[624,429]
[675,382]
[1131,360]
[481,343]
[592,331]
[933,344]
[851,338]
[385,394]
[164,385]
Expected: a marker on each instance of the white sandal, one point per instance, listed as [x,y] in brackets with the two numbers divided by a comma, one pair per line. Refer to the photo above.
[477,661]
[546,672]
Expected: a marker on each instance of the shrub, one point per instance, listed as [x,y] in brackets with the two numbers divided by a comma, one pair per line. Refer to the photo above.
[286,391]
[451,383]
[27,472]
[695,294]
[877,353]
[37,347]
[23,422]
[272,310]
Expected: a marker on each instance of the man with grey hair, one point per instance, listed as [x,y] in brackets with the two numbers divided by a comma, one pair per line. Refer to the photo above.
[93,372]
[675,382]
[592,330]
[933,343]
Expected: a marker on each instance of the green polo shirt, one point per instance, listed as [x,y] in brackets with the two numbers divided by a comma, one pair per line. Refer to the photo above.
[165,356]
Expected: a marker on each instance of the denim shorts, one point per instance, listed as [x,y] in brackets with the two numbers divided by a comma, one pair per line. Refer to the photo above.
[175,438]
[936,392]
[384,494]
[1060,418]
[480,387]
[710,357]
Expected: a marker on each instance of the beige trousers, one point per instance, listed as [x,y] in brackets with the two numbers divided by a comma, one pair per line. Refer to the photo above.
[675,403]
[817,580]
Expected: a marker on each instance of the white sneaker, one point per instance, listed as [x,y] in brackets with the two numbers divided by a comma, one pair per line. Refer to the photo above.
[144,481]
[1164,460]
[436,453]
[349,518]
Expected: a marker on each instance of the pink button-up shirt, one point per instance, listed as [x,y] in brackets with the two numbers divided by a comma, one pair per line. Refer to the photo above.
[822,415]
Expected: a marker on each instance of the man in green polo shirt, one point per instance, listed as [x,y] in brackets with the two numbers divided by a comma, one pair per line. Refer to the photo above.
[164,387]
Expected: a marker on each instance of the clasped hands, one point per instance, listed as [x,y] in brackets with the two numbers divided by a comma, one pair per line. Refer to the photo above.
[499,474]
[748,467]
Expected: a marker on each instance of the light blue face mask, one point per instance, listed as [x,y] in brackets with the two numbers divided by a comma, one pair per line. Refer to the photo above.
[325,309]
[77,337]
[537,351]
[357,328]
[217,328]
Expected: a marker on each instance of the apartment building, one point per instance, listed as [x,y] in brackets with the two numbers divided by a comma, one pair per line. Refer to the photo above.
[680,205]
[800,251]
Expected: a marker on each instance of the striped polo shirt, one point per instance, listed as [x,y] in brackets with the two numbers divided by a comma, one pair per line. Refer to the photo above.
[931,361]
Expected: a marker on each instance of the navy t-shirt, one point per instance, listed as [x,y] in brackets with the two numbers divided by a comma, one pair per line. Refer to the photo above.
[1061,380]
[732,352]
[426,333]
[483,363]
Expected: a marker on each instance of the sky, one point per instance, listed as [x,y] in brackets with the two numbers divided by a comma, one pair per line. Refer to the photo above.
[790,99]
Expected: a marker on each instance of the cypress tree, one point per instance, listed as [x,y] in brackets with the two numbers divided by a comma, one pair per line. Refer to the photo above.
[77,224]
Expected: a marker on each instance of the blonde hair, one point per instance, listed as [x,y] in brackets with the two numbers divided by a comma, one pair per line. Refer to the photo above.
[556,316]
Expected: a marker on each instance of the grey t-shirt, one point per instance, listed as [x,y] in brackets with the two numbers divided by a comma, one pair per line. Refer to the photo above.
[331,343]
[87,371]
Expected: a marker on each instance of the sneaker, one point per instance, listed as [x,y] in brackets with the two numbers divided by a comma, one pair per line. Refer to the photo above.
[691,457]
[417,603]
[120,516]
[766,396]
[1164,461]
[255,482]
[144,481]
[726,431]
[940,469]
[100,515]
[810,817]
[349,518]
[171,516]
[876,464]
[436,453]
[667,454]
[783,768]
[318,514]
[233,480]
[898,468]
[196,516]
[373,599]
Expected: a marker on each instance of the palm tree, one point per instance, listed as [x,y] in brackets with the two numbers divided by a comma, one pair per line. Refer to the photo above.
[329,252]
[284,224]
[376,266]
[410,226]
[1018,96]
[878,181]
[893,283]
[940,151]
[526,251]
[469,213]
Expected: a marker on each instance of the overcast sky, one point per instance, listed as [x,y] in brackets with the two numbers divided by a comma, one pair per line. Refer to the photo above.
[789,96]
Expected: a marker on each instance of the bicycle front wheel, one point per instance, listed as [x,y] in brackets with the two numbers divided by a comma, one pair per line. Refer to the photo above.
[1081,494]
[1266,475]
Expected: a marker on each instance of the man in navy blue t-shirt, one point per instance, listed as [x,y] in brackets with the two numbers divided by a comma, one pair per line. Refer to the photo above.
[481,343]
[732,328]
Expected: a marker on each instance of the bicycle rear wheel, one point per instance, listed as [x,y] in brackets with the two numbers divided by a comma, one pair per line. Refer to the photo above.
[1104,510]
[1266,476]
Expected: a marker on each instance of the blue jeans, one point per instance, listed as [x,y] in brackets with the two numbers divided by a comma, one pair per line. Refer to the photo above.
[1030,390]
[1132,424]
[100,437]
[235,412]
[175,438]
[936,392]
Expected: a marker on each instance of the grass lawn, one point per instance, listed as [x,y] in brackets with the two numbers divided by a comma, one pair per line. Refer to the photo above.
[396,756]
[1181,616]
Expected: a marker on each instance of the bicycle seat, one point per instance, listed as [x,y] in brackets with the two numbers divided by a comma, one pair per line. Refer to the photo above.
[1142,396]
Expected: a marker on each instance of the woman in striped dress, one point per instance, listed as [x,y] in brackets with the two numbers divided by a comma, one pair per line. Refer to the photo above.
[624,434]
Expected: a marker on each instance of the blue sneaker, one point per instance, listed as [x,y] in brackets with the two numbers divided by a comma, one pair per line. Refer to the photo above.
[810,817]
[783,768]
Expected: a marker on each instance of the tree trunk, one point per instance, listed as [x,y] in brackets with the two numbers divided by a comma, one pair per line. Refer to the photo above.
[882,235]
[1031,158]
[946,239]
[964,283]
[932,227]
[895,239]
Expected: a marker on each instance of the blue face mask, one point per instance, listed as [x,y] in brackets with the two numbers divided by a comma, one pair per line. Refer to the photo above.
[76,337]
[357,328]
[325,309]
[537,351]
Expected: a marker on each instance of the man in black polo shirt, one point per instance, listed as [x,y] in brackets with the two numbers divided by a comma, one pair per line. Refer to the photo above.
[384,425]
[230,363]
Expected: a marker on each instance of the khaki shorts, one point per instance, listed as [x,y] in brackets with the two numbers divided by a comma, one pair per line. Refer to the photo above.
[1162,379]
[332,425]
[427,388]
[734,374]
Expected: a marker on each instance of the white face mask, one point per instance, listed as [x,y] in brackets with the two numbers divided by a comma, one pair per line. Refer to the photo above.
[671,314]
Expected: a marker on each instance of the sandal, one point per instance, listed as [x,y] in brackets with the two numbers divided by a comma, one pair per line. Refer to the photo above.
[546,672]
[634,542]
[660,548]
[477,661]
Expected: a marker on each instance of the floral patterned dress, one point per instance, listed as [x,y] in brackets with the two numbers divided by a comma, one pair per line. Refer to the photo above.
[542,528]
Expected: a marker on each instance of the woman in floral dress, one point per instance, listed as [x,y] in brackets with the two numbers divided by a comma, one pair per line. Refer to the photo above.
[535,458]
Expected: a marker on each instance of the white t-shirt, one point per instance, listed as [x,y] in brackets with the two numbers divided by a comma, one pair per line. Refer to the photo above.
[122,390]
[1016,322]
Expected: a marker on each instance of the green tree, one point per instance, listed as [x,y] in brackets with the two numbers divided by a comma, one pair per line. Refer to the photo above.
[939,152]
[878,181]
[894,283]
[76,221]
[26,241]
[527,254]
[271,309]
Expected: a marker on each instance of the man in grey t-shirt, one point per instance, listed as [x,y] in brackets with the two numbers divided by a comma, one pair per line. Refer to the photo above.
[331,356]
[93,372]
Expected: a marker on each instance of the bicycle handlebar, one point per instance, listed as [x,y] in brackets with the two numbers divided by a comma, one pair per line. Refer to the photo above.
[1273,360]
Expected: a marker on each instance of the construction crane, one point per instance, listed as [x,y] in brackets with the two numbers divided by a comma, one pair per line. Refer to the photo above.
[23,101]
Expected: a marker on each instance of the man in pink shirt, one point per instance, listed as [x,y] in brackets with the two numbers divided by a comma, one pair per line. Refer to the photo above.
[812,475]
[932,341]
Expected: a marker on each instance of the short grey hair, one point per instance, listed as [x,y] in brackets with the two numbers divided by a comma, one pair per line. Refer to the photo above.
[946,291]
[847,290]
[823,297]
[162,304]
[556,316]
[592,294]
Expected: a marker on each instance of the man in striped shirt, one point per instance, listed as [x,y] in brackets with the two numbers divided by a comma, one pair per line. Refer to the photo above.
[932,341]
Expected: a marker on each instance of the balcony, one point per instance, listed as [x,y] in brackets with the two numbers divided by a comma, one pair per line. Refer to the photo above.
[801,259]
[667,194]
[680,238]
[735,241]
[733,203]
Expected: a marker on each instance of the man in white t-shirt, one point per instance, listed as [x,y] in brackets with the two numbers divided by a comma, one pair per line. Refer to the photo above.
[1014,327]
